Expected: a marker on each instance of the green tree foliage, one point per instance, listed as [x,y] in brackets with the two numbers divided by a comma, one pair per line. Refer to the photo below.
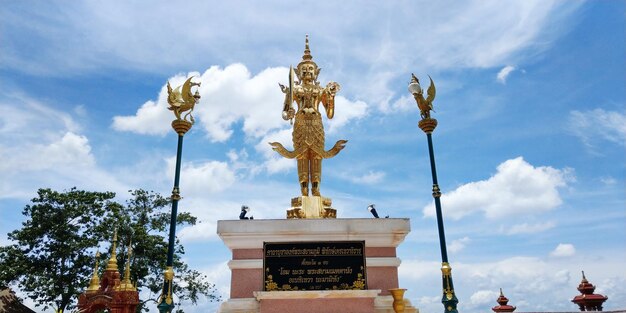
[51,258]
[145,222]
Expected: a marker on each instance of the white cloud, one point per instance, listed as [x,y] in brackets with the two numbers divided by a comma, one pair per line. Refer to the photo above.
[274,162]
[483,297]
[428,300]
[563,250]
[608,180]
[504,73]
[228,95]
[516,188]
[202,178]
[404,103]
[372,177]
[488,32]
[530,283]
[70,150]
[151,119]
[267,200]
[526,228]
[52,153]
[345,111]
[484,34]
[596,124]
[458,244]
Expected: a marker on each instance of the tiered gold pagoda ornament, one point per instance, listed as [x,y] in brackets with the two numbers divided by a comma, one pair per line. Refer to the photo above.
[308,135]
[109,293]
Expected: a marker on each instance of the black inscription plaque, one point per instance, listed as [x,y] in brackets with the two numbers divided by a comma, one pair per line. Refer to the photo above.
[326,265]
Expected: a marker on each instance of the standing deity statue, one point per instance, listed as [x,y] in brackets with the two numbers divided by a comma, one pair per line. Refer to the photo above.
[308,130]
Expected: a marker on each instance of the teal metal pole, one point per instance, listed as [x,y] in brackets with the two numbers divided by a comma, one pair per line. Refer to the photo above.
[166,302]
[449,299]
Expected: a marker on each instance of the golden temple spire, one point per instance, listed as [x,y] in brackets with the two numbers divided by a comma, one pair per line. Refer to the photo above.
[94,283]
[126,284]
[112,264]
[307,52]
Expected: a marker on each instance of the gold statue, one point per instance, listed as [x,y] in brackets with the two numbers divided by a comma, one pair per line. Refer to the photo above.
[181,101]
[308,130]
[425,105]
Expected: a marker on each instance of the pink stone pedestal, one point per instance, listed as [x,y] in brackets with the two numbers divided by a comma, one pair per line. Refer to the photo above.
[245,239]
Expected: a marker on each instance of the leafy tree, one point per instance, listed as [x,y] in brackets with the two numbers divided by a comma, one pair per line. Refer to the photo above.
[52,255]
[145,222]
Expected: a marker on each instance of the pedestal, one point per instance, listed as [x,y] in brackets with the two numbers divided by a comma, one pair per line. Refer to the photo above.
[245,239]
[311,207]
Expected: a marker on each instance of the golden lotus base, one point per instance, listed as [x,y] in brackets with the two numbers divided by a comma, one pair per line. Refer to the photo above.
[311,207]
[181,126]
[428,125]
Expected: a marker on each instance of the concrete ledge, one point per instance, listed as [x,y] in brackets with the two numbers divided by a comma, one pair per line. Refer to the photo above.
[244,305]
[316,294]
[382,304]
[250,234]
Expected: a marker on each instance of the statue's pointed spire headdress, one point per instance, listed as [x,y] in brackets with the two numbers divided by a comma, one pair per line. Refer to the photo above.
[307,58]
[307,52]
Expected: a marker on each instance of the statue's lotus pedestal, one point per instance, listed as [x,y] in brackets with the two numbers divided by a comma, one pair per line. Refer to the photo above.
[311,207]
[246,238]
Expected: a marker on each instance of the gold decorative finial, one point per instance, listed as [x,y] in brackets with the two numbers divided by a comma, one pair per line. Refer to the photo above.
[94,283]
[425,105]
[126,284]
[584,278]
[181,100]
[501,294]
[112,264]
[307,52]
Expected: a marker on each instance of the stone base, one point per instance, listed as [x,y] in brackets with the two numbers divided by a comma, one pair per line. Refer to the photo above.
[311,207]
[361,301]
[245,238]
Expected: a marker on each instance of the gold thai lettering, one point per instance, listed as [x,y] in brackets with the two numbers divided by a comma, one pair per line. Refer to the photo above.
[292,252]
[330,271]
[342,251]
[327,279]
[300,280]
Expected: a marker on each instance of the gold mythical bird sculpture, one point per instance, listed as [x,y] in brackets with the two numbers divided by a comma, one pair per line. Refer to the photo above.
[425,105]
[308,130]
[181,101]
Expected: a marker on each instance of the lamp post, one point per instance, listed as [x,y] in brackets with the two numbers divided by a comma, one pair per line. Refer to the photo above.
[180,101]
[428,124]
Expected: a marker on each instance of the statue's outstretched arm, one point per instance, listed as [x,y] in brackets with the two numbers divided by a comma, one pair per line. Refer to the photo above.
[328,98]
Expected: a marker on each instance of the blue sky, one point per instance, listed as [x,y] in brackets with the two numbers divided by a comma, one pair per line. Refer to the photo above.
[530,143]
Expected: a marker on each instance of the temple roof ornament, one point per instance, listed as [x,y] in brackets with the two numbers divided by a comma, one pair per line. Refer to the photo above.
[503,304]
[587,300]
